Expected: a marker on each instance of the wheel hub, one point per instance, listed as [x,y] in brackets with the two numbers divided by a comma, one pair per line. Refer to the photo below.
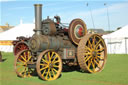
[79,31]
[94,53]
[50,65]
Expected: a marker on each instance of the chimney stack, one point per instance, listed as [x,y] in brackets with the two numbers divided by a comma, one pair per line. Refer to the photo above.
[38,18]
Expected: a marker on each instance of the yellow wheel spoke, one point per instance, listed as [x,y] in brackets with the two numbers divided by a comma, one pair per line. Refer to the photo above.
[88,53]
[54,70]
[97,44]
[44,64]
[29,73]
[87,49]
[25,55]
[100,57]
[43,68]
[45,60]
[99,53]
[96,63]
[44,72]
[87,58]
[97,59]
[89,43]
[55,66]
[45,57]
[49,56]
[29,53]
[21,61]
[93,65]
[89,63]
[101,49]
[93,43]
[23,58]
[29,57]
[55,58]
[52,54]
[56,61]
[47,74]
[25,72]
[19,64]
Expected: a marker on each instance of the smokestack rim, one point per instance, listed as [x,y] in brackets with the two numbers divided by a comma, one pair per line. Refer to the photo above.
[37,4]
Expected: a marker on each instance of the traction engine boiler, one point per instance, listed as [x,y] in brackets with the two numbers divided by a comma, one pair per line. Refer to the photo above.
[53,45]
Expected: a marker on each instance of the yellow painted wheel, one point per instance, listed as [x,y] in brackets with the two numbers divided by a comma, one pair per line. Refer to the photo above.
[20,64]
[49,65]
[92,53]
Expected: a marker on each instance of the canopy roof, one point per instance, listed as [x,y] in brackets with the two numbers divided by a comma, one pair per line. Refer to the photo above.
[25,30]
[121,33]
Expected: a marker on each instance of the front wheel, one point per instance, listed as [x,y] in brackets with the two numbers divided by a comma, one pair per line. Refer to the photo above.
[21,64]
[49,65]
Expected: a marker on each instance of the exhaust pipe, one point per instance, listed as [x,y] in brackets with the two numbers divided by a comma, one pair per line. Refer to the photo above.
[38,18]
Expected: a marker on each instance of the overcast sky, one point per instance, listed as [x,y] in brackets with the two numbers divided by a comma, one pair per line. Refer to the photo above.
[12,11]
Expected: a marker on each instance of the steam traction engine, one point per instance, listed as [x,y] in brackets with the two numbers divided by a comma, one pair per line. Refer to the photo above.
[52,46]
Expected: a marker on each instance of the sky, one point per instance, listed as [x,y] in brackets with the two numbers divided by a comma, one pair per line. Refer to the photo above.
[12,11]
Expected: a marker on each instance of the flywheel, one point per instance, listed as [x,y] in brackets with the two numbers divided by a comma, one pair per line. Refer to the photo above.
[92,53]
[77,29]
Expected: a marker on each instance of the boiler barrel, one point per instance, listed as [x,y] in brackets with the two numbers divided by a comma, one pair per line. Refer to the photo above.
[42,42]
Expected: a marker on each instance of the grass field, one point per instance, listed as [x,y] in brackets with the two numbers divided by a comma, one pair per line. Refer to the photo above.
[114,73]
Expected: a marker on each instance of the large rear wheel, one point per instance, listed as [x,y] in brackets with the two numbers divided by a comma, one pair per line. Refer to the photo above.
[92,53]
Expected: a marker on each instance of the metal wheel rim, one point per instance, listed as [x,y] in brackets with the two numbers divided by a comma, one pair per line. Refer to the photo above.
[20,64]
[92,55]
[49,65]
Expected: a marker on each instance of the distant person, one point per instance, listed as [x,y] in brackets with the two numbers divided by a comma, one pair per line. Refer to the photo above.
[0,56]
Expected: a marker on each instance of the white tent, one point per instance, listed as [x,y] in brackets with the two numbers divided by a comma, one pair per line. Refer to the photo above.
[25,30]
[117,42]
